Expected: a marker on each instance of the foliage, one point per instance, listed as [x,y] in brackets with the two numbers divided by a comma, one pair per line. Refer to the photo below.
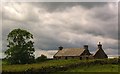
[5,61]
[41,58]
[20,47]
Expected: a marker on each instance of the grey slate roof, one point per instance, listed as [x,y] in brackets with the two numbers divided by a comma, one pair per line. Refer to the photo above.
[70,52]
[100,52]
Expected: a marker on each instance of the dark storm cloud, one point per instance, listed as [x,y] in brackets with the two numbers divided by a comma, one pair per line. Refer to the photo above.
[70,25]
[61,6]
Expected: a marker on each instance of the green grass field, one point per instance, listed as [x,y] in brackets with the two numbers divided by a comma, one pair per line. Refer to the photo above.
[70,66]
[95,68]
[20,68]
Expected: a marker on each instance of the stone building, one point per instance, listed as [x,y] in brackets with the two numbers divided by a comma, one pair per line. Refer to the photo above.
[100,54]
[80,53]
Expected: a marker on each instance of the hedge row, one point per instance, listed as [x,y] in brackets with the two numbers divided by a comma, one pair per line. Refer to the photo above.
[83,63]
[71,66]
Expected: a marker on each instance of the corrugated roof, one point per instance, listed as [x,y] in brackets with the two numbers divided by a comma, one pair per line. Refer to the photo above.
[70,52]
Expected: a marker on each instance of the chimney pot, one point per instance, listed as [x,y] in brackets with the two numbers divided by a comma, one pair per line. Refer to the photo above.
[60,48]
[99,46]
[86,47]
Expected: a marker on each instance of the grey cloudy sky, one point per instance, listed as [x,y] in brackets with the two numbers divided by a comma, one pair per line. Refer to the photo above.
[69,24]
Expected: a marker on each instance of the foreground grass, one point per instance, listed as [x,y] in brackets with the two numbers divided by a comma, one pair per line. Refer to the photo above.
[71,65]
[36,66]
[95,68]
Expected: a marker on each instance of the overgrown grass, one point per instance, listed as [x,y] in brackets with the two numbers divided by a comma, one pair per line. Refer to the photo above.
[73,65]
[95,68]
[20,68]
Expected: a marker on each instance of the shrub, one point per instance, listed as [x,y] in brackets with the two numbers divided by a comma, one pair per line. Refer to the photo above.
[41,58]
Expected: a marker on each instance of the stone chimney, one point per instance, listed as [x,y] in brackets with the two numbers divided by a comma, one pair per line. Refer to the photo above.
[86,47]
[99,46]
[60,48]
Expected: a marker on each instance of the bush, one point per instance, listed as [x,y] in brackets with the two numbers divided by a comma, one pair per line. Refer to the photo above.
[41,58]
[113,61]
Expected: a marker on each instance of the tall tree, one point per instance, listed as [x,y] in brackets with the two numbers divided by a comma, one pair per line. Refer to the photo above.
[20,47]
